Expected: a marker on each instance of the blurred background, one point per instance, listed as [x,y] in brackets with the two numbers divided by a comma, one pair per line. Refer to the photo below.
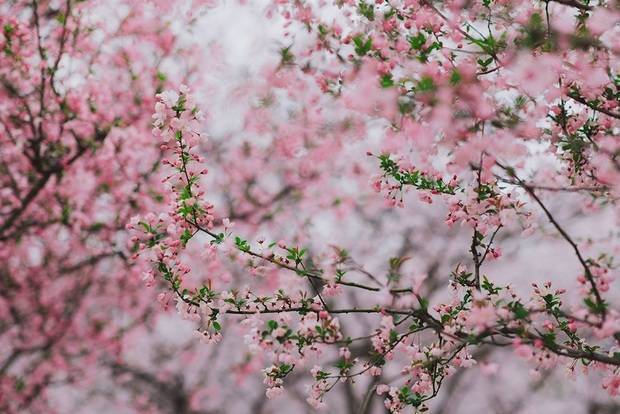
[79,331]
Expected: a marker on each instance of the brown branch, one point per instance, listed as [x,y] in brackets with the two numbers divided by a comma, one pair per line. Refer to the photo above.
[572,3]
[583,101]
[563,233]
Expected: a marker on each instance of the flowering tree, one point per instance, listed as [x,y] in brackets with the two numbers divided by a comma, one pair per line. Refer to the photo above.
[77,162]
[462,110]
[350,225]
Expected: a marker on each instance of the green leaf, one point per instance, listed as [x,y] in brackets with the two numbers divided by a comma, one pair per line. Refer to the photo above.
[549,339]
[416,42]
[66,214]
[161,76]
[387,80]
[455,77]
[219,239]
[426,84]
[366,10]
[343,364]
[488,286]
[285,369]
[186,236]
[147,227]
[393,336]
[519,310]
[595,306]
[551,301]
[8,30]
[362,46]
[20,384]
[242,245]
[286,57]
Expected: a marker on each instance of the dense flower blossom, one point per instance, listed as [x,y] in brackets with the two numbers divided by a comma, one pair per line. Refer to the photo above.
[485,190]
[353,218]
